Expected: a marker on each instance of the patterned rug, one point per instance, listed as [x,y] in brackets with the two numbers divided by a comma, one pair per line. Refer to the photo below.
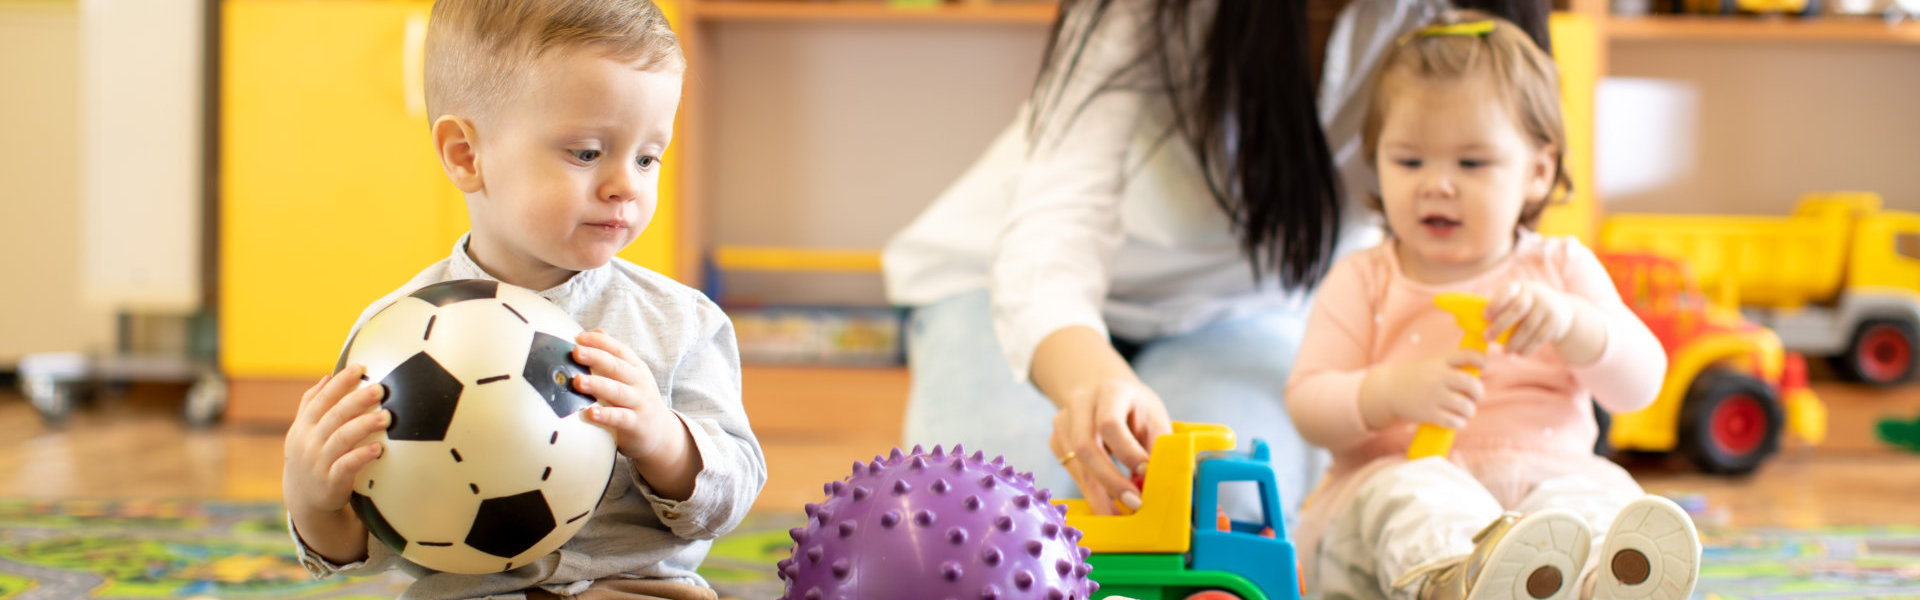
[71,549]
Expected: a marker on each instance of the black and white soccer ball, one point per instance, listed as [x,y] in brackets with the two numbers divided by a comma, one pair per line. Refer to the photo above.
[488,464]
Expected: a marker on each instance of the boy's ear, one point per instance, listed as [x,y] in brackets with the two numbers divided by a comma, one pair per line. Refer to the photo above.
[453,139]
[1540,172]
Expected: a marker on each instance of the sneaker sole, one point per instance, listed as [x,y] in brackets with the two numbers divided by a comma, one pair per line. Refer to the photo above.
[1539,558]
[1652,552]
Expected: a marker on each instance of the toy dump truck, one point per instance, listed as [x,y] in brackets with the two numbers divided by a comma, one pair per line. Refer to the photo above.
[1837,279]
[1176,546]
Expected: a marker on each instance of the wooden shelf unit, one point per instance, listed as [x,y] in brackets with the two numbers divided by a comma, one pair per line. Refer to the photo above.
[1039,13]
[1825,28]
[1828,28]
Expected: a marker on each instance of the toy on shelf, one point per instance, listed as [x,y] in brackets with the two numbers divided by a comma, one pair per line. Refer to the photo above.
[1469,312]
[487,464]
[935,525]
[1730,391]
[1174,547]
[1837,279]
[1804,8]
[862,335]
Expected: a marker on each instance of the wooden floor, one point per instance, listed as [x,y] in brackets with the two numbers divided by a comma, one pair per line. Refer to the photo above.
[136,446]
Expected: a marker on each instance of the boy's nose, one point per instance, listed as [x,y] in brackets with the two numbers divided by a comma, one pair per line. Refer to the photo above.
[620,186]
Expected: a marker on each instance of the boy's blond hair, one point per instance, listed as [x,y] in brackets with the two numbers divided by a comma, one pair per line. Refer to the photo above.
[1455,47]
[478,51]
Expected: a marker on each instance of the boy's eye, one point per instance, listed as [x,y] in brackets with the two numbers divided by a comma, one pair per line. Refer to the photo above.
[586,155]
[647,162]
[1471,163]
[1411,163]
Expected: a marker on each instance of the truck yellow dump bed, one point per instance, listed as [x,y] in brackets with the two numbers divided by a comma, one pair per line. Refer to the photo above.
[1777,262]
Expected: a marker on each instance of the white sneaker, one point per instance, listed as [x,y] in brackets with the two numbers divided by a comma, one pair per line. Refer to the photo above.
[1537,556]
[1652,552]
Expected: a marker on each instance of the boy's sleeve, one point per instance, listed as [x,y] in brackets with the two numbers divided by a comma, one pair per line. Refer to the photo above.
[703,390]
[1632,365]
[1323,393]
[379,558]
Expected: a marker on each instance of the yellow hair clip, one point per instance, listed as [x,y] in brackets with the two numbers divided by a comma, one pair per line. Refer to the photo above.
[1469,28]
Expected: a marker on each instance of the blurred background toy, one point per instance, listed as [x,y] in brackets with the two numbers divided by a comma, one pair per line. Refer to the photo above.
[1177,546]
[1901,433]
[1730,391]
[1832,280]
[935,525]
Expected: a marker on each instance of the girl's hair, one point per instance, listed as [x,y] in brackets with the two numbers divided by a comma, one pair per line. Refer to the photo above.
[1520,72]
[1242,98]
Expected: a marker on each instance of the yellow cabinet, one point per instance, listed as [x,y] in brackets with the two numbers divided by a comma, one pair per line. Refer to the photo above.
[330,193]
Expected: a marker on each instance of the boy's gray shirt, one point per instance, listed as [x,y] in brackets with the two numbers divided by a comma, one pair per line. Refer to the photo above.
[688,344]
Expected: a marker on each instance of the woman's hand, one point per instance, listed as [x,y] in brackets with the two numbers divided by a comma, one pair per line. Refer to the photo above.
[1114,419]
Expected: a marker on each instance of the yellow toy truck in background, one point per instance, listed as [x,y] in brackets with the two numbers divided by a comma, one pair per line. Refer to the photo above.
[1837,279]
[1730,393]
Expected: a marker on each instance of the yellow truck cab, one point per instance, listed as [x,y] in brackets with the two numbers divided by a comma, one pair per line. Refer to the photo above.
[1839,278]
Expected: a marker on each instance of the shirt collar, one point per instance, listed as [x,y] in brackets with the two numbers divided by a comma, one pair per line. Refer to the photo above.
[461,266]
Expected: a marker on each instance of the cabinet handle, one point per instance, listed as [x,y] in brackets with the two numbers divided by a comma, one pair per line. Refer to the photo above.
[413,58]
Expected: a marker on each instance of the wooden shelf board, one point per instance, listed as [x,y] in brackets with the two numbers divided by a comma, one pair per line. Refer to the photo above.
[1763,29]
[853,11]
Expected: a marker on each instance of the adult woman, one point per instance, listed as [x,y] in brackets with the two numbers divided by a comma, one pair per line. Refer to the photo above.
[1137,247]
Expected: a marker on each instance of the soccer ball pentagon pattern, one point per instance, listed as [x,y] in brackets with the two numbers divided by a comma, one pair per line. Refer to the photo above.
[488,463]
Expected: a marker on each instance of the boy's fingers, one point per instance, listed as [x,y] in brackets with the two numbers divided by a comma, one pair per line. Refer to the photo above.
[331,390]
[611,417]
[600,340]
[342,472]
[606,364]
[608,391]
[355,404]
[353,432]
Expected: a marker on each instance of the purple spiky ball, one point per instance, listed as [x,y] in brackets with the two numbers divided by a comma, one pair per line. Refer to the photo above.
[936,525]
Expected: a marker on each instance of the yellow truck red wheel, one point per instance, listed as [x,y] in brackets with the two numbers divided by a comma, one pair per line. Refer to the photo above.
[1731,422]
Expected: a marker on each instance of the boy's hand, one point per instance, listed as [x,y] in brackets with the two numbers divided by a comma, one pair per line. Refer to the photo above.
[1428,390]
[630,406]
[324,450]
[1537,314]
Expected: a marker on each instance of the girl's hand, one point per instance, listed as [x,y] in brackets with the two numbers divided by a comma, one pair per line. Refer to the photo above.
[1116,419]
[1427,390]
[1537,314]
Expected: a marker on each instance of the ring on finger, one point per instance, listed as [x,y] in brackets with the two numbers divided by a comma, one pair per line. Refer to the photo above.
[1068,458]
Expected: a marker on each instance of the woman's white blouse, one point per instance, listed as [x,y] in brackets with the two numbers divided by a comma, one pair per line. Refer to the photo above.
[1107,222]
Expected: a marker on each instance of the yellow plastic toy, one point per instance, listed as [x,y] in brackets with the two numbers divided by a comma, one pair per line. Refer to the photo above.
[1166,501]
[1730,390]
[1469,312]
[1837,279]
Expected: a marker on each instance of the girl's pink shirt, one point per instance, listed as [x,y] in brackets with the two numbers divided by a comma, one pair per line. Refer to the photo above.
[1367,312]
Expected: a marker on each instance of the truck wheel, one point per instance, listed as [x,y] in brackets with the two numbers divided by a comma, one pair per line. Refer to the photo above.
[1882,352]
[1730,422]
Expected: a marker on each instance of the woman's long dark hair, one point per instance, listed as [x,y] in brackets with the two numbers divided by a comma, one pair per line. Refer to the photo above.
[1249,86]
[1244,103]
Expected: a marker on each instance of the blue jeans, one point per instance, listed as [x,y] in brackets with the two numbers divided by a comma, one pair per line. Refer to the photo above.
[1232,372]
